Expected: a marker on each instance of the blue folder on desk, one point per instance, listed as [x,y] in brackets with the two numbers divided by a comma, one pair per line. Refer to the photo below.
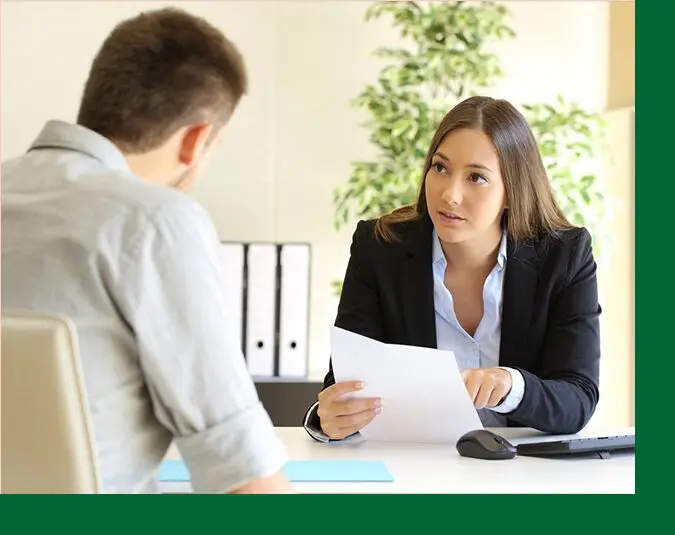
[332,471]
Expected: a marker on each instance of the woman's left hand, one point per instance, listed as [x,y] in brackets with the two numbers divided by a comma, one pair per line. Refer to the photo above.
[487,387]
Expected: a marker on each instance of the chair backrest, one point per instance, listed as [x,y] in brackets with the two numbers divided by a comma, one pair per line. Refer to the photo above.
[47,435]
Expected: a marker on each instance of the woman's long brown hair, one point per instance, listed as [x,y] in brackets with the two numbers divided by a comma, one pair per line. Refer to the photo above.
[533,210]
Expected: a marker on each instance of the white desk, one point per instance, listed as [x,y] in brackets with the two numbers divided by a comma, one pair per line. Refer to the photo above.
[438,469]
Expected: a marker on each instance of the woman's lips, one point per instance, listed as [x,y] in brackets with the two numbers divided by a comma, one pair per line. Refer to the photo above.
[450,219]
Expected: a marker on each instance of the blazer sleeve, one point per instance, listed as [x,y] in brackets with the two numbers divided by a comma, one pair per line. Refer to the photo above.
[563,396]
[359,306]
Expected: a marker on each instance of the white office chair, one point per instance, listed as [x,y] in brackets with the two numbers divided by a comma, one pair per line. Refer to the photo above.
[47,438]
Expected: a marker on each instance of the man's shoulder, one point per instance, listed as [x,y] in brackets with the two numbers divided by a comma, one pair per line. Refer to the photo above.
[161,212]
[102,187]
[106,201]
[150,199]
[147,204]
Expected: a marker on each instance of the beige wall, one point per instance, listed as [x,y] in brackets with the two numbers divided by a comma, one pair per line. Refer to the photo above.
[292,141]
[617,286]
[621,86]
[616,277]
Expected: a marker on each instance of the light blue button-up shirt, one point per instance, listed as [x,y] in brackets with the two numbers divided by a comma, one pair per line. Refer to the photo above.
[482,349]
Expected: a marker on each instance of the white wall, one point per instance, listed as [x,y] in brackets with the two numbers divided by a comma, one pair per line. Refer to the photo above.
[292,141]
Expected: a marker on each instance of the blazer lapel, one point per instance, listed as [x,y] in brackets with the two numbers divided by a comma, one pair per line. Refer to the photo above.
[520,285]
[417,286]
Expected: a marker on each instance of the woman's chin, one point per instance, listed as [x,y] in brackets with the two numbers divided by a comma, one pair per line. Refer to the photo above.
[452,234]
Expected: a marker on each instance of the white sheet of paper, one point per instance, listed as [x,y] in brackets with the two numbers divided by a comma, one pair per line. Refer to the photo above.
[423,395]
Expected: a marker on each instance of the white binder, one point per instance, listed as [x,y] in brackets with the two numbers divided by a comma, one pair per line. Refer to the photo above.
[294,310]
[232,263]
[260,309]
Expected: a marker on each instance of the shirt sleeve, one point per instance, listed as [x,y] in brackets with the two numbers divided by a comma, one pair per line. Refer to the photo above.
[190,355]
[515,395]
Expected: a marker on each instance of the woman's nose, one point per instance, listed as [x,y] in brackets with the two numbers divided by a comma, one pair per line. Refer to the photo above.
[452,194]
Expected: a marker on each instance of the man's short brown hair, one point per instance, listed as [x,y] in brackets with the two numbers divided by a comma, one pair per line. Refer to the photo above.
[159,71]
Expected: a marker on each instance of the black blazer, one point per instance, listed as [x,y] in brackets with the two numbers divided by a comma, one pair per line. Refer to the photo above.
[550,314]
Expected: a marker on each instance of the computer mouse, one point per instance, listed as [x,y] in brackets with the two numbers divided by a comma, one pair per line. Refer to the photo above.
[484,444]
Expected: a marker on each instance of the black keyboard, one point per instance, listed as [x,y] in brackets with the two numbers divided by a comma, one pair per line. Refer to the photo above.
[600,445]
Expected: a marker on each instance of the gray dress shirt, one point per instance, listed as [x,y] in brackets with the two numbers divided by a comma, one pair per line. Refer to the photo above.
[136,267]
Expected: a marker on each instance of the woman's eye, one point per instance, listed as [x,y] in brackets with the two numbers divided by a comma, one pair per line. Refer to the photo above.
[478,179]
[438,167]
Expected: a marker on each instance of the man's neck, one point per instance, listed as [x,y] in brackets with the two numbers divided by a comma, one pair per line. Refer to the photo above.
[150,167]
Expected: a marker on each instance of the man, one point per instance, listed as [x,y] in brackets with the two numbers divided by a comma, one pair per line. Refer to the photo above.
[95,226]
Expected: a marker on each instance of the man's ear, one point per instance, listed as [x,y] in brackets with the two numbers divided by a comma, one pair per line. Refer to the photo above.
[193,142]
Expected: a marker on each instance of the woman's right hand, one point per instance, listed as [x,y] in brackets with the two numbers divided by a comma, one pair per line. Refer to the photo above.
[341,418]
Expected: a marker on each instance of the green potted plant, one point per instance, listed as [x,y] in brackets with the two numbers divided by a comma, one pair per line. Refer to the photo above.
[446,56]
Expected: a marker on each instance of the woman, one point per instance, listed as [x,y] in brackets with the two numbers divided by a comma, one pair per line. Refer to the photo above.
[484,264]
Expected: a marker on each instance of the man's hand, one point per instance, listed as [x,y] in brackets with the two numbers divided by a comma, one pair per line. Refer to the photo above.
[487,387]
